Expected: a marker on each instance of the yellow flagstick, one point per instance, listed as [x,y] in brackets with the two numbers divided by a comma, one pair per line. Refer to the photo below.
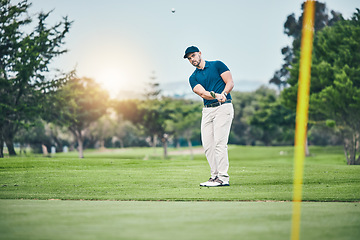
[302,113]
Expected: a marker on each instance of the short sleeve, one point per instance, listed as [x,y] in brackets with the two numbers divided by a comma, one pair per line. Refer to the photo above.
[221,67]
[193,82]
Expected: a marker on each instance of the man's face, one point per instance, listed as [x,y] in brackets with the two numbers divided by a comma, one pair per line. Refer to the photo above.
[194,58]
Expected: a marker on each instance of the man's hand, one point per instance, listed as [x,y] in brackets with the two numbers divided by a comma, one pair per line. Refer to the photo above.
[221,97]
[200,90]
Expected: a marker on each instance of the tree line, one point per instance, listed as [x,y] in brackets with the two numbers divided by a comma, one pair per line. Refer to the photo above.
[335,79]
[40,108]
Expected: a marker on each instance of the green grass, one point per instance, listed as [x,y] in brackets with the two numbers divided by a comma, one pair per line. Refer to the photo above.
[192,212]
[29,219]
[257,173]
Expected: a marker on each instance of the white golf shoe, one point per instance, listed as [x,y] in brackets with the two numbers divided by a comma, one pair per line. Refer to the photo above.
[214,182]
[204,184]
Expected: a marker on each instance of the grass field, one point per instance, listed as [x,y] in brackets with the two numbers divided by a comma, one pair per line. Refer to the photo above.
[29,219]
[184,209]
[259,173]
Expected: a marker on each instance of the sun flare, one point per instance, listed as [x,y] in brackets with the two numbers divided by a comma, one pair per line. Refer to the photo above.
[111,79]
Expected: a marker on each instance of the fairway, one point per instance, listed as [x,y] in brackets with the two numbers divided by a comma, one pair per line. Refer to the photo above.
[147,125]
[30,219]
[256,173]
[169,204]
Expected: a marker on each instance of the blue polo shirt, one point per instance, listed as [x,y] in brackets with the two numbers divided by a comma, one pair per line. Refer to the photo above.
[210,78]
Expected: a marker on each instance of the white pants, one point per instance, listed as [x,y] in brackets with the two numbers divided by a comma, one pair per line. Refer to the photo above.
[215,129]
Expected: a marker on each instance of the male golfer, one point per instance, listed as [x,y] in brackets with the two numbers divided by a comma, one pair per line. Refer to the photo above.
[212,81]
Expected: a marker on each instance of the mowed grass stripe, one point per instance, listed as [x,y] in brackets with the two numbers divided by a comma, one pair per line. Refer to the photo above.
[40,219]
[257,173]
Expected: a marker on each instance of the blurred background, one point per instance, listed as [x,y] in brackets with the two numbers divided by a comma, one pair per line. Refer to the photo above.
[121,43]
[123,81]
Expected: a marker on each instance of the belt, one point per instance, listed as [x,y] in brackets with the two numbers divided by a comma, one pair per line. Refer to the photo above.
[216,104]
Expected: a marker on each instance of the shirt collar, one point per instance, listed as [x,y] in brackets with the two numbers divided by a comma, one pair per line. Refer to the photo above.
[206,66]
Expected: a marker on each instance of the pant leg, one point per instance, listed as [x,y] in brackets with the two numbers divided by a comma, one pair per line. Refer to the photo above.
[207,138]
[222,124]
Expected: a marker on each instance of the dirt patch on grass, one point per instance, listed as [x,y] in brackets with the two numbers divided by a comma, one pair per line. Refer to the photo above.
[195,151]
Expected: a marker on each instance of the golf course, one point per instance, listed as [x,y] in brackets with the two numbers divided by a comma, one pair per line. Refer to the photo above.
[134,193]
[179,120]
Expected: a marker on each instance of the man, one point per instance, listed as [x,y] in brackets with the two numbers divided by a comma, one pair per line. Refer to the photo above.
[213,82]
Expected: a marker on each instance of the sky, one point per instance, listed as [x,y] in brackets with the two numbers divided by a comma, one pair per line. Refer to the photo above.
[123,43]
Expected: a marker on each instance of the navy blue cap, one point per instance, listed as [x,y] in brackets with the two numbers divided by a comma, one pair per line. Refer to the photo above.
[191,49]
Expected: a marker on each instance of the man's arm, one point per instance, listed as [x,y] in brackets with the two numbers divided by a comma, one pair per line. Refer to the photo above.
[200,90]
[227,78]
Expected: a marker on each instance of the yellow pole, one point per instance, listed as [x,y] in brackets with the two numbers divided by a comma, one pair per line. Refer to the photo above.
[302,113]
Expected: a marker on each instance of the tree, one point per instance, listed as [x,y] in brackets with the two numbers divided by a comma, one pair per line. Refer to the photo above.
[260,118]
[154,113]
[122,129]
[152,91]
[243,109]
[78,104]
[292,28]
[130,116]
[35,136]
[335,82]
[24,60]
[150,109]
[185,120]
[148,115]
[100,130]
[272,119]
[43,134]
[153,122]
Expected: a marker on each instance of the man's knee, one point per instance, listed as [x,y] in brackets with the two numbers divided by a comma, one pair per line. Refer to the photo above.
[221,148]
